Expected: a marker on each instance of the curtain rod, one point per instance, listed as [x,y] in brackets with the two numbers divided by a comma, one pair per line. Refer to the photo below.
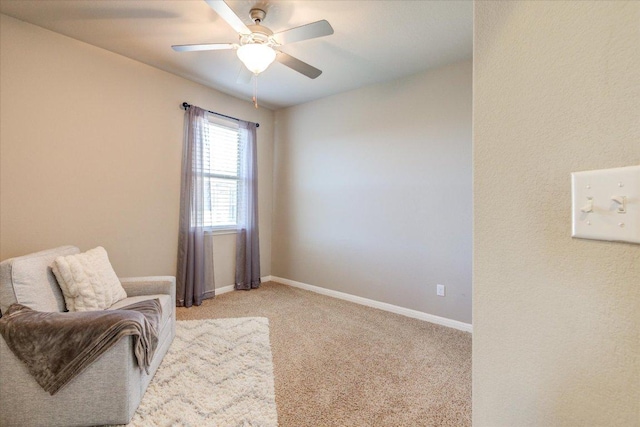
[186,106]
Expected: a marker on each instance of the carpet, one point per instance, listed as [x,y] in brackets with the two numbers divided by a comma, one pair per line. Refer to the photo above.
[340,364]
[217,372]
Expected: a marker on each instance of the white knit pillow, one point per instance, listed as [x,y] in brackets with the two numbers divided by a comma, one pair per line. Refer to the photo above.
[88,281]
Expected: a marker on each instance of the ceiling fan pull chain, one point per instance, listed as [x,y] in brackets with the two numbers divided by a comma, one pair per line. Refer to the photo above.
[255,90]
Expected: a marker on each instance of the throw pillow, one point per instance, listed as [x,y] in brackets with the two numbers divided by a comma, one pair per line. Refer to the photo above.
[88,281]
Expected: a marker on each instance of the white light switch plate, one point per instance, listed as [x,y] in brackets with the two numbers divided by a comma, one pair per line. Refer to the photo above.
[596,215]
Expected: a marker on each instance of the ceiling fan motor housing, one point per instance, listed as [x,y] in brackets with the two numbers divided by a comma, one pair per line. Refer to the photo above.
[259,34]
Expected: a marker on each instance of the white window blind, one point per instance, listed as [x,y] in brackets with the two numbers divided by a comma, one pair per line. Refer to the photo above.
[222,168]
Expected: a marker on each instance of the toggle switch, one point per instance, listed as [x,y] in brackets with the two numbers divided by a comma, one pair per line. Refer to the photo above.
[605,204]
[589,206]
[622,203]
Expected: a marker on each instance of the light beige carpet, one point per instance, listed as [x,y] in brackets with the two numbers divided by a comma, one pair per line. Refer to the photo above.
[342,364]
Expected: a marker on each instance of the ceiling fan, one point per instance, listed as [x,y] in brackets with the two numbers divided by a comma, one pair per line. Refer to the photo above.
[259,46]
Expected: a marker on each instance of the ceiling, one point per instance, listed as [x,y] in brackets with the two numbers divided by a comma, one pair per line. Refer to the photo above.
[374,41]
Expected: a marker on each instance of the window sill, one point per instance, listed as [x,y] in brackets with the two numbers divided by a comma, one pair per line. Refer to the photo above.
[221,231]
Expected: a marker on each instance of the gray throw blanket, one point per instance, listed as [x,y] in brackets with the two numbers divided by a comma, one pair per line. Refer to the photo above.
[58,346]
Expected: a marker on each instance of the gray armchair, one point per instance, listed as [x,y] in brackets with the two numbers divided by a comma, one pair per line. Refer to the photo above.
[110,389]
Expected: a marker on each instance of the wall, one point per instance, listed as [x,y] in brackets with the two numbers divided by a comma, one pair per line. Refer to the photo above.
[90,153]
[374,192]
[556,320]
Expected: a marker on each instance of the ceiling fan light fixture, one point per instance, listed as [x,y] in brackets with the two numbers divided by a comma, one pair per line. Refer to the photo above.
[256,56]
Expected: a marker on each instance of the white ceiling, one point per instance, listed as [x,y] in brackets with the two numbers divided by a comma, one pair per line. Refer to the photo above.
[374,41]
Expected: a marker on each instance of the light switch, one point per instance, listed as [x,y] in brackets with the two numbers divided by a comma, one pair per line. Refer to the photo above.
[588,207]
[606,204]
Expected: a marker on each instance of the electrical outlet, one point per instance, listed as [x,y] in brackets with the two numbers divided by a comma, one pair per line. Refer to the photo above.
[440,290]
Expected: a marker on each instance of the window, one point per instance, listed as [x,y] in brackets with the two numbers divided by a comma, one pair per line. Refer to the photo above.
[222,173]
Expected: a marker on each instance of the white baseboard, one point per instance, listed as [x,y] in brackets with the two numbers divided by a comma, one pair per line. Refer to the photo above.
[224,289]
[467,327]
[230,288]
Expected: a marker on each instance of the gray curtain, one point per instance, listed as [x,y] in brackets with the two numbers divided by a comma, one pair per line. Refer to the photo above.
[247,243]
[194,278]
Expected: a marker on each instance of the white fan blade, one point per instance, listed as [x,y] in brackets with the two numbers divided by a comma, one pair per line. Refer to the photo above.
[297,65]
[304,32]
[228,15]
[244,75]
[196,47]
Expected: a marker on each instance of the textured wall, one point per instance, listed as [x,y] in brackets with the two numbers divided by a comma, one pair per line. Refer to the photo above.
[91,148]
[556,320]
[374,192]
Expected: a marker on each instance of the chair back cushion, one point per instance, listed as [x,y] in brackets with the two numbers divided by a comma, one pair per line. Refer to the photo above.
[29,280]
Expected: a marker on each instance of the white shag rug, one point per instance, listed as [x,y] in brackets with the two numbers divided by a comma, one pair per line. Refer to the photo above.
[217,372]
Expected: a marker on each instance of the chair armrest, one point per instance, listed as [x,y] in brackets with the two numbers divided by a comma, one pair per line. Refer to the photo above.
[135,286]
[106,392]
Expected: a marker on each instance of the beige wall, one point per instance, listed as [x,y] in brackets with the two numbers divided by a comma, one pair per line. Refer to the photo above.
[374,192]
[556,320]
[90,153]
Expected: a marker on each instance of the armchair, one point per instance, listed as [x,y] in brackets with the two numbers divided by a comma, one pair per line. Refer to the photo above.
[110,389]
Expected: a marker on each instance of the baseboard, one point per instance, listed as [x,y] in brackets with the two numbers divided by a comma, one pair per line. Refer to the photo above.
[467,327]
[225,289]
